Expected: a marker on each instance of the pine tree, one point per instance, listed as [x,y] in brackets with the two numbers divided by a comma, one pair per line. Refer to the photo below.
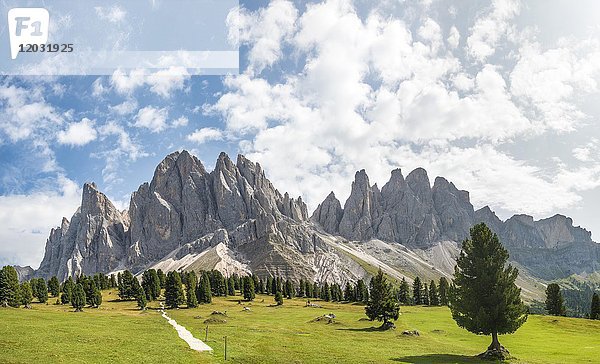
[261,286]
[231,286]
[151,284]
[554,300]
[113,281]
[484,298]
[382,304]
[348,293]
[308,289]
[289,289]
[93,294]
[140,297]
[425,295]
[190,287]
[174,290]
[434,298]
[315,290]
[203,290]
[25,294]
[9,286]
[78,298]
[274,285]
[325,292]
[417,291]
[54,286]
[301,287]
[279,298]
[161,278]
[41,290]
[595,309]
[67,290]
[126,287]
[443,291]
[403,292]
[248,288]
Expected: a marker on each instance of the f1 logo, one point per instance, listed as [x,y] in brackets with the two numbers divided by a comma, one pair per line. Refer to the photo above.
[27,26]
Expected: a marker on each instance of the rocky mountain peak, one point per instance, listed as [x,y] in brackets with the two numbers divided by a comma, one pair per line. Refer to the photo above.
[329,213]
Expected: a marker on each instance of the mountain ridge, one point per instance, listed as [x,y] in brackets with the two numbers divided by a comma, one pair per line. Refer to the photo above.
[409,226]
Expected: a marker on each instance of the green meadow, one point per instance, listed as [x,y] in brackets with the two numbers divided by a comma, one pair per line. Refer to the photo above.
[118,332]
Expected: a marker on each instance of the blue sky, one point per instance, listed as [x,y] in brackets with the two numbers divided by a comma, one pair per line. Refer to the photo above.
[497,96]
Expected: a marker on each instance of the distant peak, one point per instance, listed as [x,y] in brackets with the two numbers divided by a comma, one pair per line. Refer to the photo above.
[90,186]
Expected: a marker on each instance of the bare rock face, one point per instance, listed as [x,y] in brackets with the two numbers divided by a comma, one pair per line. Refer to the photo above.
[407,211]
[329,214]
[93,241]
[356,222]
[24,273]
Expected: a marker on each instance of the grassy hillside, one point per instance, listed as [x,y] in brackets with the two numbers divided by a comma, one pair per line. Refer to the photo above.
[119,333]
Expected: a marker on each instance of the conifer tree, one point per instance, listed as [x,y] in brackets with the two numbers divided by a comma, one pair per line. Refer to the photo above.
[203,290]
[403,292]
[434,298]
[289,289]
[54,286]
[9,286]
[78,298]
[301,287]
[382,304]
[41,290]
[231,286]
[279,298]
[261,286]
[348,293]
[554,300]
[140,297]
[360,291]
[113,281]
[67,290]
[161,278]
[248,288]
[174,290]
[443,291]
[151,284]
[274,285]
[308,289]
[325,292]
[190,287]
[315,290]
[595,309]
[417,291]
[126,286]
[268,284]
[425,295]
[484,298]
[25,294]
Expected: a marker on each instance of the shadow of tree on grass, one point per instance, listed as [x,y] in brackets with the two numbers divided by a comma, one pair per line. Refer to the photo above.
[440,359]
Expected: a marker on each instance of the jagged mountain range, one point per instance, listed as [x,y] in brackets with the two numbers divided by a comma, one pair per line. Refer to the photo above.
[233,219]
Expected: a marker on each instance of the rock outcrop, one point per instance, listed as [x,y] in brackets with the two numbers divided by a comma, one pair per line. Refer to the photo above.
[95,239]
[233,219]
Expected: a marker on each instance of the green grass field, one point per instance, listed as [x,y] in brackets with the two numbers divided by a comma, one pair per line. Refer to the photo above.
[119,333]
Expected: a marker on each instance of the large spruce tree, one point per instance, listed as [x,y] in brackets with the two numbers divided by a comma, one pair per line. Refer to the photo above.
[190,287]
[41,290]
[595,309]
[9,286]
[151,284]
[417,291]
[382,304]
[248,288]
[404,292]
[203,291]
[484,298]
[78,297]
[554,300]
[54,286]
[25,294]
[443,291]
[434,298]
[174,295]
